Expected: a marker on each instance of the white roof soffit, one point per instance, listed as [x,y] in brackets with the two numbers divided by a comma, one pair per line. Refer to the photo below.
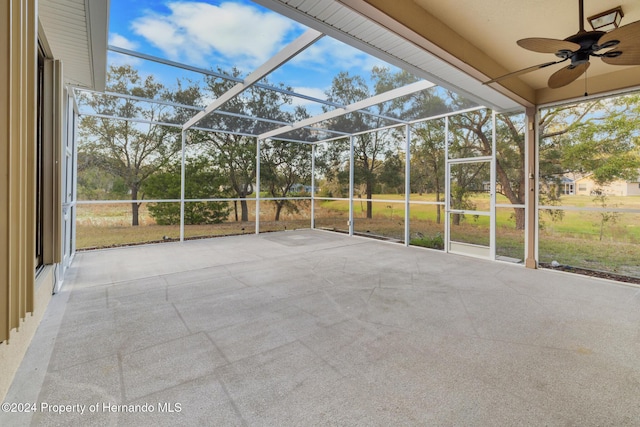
[76,31]
[342,23]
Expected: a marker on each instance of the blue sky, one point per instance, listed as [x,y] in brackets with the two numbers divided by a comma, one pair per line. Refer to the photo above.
[212,33]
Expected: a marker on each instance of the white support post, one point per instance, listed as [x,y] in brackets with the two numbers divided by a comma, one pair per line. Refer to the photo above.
[313,187]
[182,185]
[407,185]
[351,184]
[492,189]
[447,185]
[258,186]
[74,204]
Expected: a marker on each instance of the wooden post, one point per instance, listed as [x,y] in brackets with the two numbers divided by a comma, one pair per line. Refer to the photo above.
[531,208]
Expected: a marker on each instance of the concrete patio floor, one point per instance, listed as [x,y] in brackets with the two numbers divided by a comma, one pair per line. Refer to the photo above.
[316,328]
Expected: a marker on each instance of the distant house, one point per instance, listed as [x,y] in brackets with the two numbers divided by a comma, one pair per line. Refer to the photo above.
[567,186]
[561,186]
[586,186]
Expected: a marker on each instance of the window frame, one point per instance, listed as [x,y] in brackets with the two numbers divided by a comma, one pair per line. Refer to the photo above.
[40,159]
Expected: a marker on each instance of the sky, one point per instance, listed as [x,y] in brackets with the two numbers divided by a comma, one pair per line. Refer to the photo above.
[212,33]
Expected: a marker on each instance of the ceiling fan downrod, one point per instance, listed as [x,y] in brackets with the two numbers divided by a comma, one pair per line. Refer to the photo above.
[581,16]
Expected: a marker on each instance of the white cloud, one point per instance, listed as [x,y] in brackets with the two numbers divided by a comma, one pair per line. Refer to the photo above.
[118,40]
[328,52]
[312,108]
[118,59]
[314,92]
[240,34]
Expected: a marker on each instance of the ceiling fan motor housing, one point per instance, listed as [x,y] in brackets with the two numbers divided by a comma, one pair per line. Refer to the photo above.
[588,41]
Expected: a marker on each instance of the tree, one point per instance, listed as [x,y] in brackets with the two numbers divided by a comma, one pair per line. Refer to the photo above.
[557,130]
[231,150]
[235,156]
[428,144]
[284,164]
[464,180]
[369,148]
[201,182]
[556,126]
[127,150]
[427,160]
[510,148]
[390,177]
[473,130]
[94,183]
[607,145]
[605,217]
[600,138]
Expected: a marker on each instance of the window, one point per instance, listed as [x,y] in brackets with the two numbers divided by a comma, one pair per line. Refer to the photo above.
[40,163]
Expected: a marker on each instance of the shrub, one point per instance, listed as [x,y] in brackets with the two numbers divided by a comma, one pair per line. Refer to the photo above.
[201,182]
[433,242]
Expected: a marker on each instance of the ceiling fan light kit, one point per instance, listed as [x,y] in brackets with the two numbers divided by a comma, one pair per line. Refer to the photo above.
[606,21]
[620,46]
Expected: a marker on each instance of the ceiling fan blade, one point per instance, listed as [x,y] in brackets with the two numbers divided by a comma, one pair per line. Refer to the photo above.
[625,34]
[542,45]
[630,55]
[566,75]
[523,71]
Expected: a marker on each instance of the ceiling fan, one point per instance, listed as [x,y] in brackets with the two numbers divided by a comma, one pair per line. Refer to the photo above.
[620,46]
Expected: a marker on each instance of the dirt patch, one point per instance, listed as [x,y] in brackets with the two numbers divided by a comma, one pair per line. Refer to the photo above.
[593,273]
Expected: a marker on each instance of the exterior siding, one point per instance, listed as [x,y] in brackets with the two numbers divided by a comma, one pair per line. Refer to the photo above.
[587,187]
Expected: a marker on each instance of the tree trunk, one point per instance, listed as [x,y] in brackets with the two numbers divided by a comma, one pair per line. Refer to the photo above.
[438,206]
[279,206]
[520,219]
[245,209]
[507,190]
[369,202]
[235,209]
[436,182]
[601,226]
[135,207]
